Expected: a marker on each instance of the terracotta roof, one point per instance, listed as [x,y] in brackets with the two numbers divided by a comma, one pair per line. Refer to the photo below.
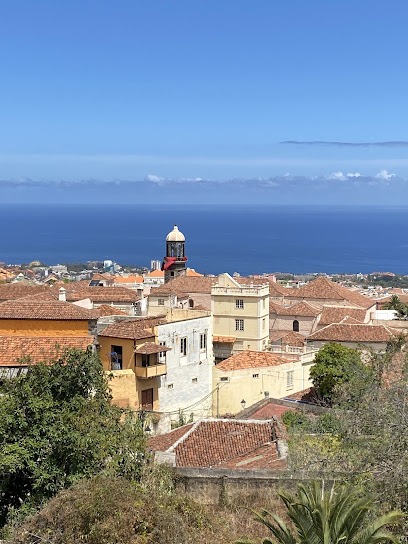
[9,291]
[275,308]
[155,274]
[163,442]
[252,359]
[277,290]
[184,285]
[323,288]
[55,309]
[301,309]
[335,314]
[38,348]
[190,272]
[149,348]
[225,443]
[136,329]
[79,291]
[107,309]
[340,332]
[224,339]
[288,338]
[128,279]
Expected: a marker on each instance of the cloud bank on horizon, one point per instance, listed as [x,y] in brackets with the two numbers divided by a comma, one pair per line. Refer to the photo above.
[337,187]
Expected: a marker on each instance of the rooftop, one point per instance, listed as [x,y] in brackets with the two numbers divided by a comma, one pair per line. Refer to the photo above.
[335,314]
[135,329]
[54,310]
[252,359]
[324,289]
[344,332]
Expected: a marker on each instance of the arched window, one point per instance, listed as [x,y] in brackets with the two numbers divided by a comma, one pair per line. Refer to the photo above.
[296,325]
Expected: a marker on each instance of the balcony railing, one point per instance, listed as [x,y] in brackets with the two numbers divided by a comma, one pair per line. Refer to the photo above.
[152,371]
[291,349]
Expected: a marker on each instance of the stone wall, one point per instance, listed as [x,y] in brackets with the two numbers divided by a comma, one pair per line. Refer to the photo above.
[218,486]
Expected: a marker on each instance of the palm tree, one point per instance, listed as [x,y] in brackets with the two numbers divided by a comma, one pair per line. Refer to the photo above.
[396,304]
[333,516]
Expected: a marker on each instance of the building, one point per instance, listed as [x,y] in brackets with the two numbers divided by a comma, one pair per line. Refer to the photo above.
[240,309]
[38,331]
[174,263]
[247,377]
[171,359]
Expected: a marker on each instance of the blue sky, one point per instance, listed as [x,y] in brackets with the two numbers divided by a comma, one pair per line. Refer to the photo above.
[126,89]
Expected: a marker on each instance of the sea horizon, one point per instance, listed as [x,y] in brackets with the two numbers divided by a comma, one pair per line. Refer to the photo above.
[259,239]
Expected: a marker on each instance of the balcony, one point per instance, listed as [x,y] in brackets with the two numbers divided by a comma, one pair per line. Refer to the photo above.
[151,371]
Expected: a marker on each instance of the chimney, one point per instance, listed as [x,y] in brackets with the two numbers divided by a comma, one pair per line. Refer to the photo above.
[62,294]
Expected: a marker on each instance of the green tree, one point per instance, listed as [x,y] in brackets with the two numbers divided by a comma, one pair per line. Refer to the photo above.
[332,516]
[57,425]
[334,366]
[396,304]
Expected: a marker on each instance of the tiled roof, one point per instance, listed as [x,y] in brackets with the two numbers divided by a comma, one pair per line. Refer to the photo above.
[190,272]
[275,308]
[9,291]
[323,288]
[301,309]
[353,333]
[289,338]
[149,348]
[184,285]
[277,290]
[155,274]
[107,309]
[61,311]
[136,329]
[38,348]
[163,442]
[101,294]
[251,359]
[225,443]
[335,314]
[128,279]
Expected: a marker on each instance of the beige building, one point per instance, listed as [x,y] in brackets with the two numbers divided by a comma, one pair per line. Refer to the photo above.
[240,315]
[249,376]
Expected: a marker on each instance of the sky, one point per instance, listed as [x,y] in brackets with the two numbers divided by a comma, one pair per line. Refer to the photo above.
[161,90]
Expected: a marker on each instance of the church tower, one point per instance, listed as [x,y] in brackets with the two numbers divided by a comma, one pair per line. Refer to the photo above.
[174,263]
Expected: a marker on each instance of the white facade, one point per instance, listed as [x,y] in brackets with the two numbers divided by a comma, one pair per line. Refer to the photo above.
[188,383]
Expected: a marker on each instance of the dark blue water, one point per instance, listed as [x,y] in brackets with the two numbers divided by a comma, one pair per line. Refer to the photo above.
[248,240]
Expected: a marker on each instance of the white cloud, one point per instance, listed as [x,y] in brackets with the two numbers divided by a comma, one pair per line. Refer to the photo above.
[354,175]
[339,176]
[383,174]
[153,178]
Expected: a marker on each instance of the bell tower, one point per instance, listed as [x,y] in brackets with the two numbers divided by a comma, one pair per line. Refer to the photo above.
[174,263]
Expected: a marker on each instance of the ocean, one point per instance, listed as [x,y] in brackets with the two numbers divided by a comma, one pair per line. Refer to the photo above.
[243,239]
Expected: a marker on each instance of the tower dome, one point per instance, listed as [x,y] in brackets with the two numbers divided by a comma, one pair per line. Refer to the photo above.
[175,235]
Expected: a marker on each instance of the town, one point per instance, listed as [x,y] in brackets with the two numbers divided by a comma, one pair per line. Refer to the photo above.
[215,368]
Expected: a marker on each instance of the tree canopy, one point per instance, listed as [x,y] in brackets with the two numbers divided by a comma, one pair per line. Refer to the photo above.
[57,425]
[334,366]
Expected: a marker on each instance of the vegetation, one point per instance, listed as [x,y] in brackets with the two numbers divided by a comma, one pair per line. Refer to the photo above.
[400,307]
[336,365]
[57,425]
[334,516]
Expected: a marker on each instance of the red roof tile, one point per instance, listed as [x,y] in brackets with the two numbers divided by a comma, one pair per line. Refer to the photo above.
[335,314]
[135,329]
[324,289]
[56,310]
[37,348]
[340,332]
[252,359]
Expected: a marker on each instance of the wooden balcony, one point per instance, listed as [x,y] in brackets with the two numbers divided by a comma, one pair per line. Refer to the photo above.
[151,371]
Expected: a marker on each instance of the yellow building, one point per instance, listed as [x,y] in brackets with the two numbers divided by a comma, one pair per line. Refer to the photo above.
[130,346]
[249,376]
[240,309]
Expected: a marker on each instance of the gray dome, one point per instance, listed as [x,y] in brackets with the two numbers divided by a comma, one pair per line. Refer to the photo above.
[175,235]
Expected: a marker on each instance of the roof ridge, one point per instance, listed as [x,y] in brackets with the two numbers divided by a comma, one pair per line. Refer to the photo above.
[184,436]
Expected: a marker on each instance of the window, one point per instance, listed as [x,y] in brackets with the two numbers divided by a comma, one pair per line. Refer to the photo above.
[183,347]
[170,386]
[194,380]
[289,379]
[263,324]
[203,342]
[224,379]
[296,326]
[116,357]
[239,303]
[255,375]
[239,324]
[162,354]
[147,399]
[264,303]
[145,360]
[161,302]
